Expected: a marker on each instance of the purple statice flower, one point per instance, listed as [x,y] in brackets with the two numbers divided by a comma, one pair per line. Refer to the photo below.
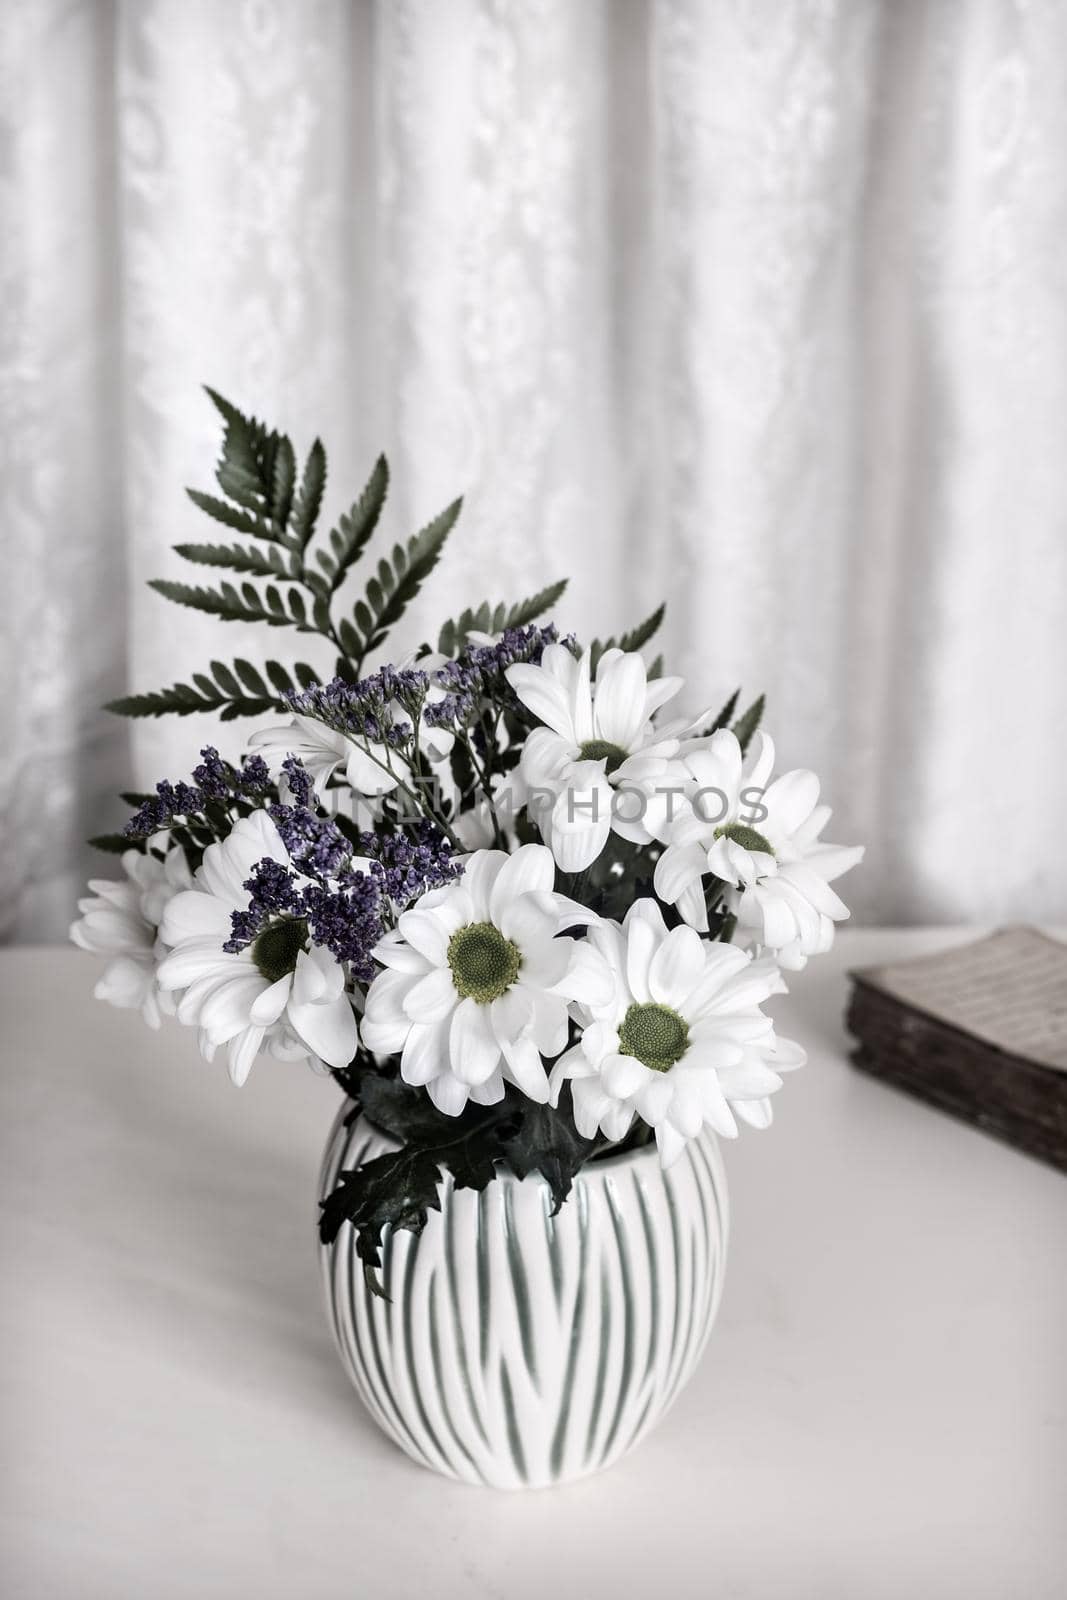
[272,890]
[348,921]
[301,788]
[345,899]
[317,845]
[216,782]
[406,867]
[370,709]
[477,673]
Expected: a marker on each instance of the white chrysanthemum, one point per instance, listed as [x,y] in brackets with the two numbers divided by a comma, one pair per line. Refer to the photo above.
[792,911]
[682,1044]
[322,750]
[277,993]
[599,754]
[121,919]
[778,871]
[477,981]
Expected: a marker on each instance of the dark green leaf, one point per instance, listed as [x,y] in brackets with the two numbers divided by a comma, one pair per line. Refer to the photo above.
[225,678]
[309,497]
[349,539]
[116,844]
[746,725]
[223,602]
[391,592]
[279,678]
[548,1142]
[283,481]
[629,641]
[644,631]
[399,1189]
[242,521]
[726,713]
[406,1114]
[236,557]
[247,707]
[249,677]
[529,610]
[180,700]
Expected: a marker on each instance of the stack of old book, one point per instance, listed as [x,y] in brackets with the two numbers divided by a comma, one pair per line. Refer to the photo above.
[980,1030]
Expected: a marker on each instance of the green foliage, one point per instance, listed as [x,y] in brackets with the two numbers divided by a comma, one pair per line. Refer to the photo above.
[547,1141]
[400,1189]
[261,499]
[269,563]
[225,602]
[116,844]
[746,724]
[309,498]
[634,640]
[237,692]
[726,713]
[396,583]
[494,619]
[349,539]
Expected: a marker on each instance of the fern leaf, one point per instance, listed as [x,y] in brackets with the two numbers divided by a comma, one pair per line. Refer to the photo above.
[746,725]
[116,844]
[223,602]
[391,591]
[309,496]
[283,482]
[629,641]
[242,521]
[236,558]
[644,631]
[352,534]
[536,606]
[722,720]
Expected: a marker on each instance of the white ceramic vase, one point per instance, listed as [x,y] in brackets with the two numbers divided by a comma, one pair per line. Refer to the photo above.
[518,1349]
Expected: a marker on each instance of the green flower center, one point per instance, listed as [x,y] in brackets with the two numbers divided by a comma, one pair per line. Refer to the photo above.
[483,962]
[654,1034]
[603,750]
[275,950]
[740,833]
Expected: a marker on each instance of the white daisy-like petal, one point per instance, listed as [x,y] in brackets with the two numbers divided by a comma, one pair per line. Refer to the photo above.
[244,1047]
[432,998]
[120,921]
[760,838]
[676,967]
[587,756]
[494,983]
[393,950]
[682,1041]
[320,1010]
[270,1003]
[448,1094]
[282,1001]
[529,871]
[474,1052]
[425,1052]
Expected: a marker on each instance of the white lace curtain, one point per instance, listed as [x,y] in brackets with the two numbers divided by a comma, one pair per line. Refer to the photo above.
[760,307]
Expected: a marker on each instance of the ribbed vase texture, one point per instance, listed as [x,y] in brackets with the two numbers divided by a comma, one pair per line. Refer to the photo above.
[518,1349]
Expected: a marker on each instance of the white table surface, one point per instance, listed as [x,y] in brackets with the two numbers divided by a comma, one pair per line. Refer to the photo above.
[880,1412]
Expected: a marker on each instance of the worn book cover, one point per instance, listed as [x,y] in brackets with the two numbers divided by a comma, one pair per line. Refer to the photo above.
[979,1030]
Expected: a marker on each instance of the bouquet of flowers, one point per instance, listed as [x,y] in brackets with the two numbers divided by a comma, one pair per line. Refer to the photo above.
[520,912]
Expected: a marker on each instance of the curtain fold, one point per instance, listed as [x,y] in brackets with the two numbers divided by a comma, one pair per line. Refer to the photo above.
[757,308]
